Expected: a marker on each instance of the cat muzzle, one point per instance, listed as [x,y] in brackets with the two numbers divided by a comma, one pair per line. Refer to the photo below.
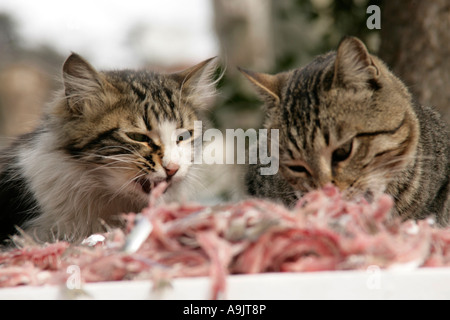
[148,185]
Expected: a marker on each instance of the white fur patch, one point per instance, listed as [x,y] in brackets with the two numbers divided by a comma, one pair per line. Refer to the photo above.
[74,201]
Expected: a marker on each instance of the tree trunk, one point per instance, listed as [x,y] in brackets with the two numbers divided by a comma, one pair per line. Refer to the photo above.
[415,42]
[244,31]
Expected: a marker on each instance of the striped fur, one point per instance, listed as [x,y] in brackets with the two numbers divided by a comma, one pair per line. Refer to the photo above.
[105,142]
[346,119]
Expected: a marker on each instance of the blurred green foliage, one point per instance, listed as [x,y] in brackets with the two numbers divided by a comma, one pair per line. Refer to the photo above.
[301,30]
[306,28]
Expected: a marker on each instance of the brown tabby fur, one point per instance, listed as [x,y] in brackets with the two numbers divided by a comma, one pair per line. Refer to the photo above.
[346,119]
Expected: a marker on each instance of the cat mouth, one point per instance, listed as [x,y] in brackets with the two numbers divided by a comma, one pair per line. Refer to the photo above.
[146,185]
[369,196]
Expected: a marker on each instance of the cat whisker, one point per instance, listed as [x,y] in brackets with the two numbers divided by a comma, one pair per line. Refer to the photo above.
[125,158]
[126,184]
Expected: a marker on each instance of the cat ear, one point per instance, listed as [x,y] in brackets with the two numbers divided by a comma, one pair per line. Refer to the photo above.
[269,86]
[198,82]
[354,67]
[81,82]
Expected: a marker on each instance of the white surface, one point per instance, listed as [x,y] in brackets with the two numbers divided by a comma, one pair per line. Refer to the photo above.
[370,284]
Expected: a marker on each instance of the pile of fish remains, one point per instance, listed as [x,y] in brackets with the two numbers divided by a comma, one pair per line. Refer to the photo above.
[166,241]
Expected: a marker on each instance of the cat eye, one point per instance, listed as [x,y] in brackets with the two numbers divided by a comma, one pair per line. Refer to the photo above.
[184,136]
[139,137]
[298,169]
[342,153]
[181,138]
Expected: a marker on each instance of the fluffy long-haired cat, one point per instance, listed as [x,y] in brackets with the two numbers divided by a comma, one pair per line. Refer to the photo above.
[106,141]
[346,119]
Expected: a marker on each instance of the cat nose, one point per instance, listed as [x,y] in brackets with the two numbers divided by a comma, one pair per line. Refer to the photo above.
[171,168]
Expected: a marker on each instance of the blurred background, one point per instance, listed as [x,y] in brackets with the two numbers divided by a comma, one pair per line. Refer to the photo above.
[261,35]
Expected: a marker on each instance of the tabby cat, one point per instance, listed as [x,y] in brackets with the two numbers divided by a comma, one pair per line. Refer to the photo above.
[107,140]
[346,119]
